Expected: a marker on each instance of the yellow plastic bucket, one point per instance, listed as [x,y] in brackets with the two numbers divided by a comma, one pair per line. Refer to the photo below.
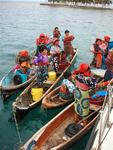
[52,76]
[36,93]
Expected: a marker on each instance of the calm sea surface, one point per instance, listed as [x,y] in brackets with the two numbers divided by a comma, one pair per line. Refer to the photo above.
[20,24]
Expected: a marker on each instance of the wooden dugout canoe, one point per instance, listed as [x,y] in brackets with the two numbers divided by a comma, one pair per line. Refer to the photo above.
[7,86]
[52,100]
[25,102]
[53,135]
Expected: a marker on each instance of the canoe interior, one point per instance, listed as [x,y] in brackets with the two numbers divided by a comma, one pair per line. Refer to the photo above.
[52,100]
[54,133]
[25,99]
[7,83]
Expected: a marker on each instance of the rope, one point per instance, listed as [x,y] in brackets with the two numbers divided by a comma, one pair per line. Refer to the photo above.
[107,101]
[17,127]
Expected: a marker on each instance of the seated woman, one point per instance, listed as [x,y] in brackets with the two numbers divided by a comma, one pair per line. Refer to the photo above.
[22,56]
[67,88]
[55,53]
[23,71]
[42,62]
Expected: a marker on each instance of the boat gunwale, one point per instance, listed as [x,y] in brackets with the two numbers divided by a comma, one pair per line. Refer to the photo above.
[28,88]
[14,87]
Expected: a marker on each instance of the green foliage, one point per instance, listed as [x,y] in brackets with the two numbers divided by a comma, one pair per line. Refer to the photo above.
[84,1]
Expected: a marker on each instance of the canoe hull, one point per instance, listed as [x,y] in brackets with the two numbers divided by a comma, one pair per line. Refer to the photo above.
[51,136]
[7,86]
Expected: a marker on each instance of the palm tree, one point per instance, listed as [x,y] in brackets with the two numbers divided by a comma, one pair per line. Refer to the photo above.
[84,1]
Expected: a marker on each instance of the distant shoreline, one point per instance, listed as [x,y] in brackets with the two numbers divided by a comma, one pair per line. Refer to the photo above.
[23,1]
[79,5]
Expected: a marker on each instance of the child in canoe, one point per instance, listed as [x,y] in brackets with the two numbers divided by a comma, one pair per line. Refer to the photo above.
[55,53]
[42,62]
[67,88]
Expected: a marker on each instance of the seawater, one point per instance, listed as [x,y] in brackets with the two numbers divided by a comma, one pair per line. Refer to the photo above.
[20,24]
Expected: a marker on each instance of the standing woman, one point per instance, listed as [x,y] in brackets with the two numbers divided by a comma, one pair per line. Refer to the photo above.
[55,53]
[83,81]
[68,48]
[97,60]
[56,33]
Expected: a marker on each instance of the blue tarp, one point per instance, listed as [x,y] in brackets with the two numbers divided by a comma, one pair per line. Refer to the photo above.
[110,45]
[99,93]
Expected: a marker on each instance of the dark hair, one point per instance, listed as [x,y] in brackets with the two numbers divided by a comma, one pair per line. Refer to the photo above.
[42,48]
[23,59]
[97,40]
[56,28]
[66,31]
[67,75]
[20,59]
[17,79]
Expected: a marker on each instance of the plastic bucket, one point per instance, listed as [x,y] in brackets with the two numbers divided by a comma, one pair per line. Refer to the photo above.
[52,76]
[36,93]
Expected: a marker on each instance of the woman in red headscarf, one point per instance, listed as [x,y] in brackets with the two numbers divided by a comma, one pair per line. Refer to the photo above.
[84,81]
[42,40]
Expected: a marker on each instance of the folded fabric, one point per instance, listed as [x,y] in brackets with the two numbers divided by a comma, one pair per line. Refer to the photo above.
[99,93]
